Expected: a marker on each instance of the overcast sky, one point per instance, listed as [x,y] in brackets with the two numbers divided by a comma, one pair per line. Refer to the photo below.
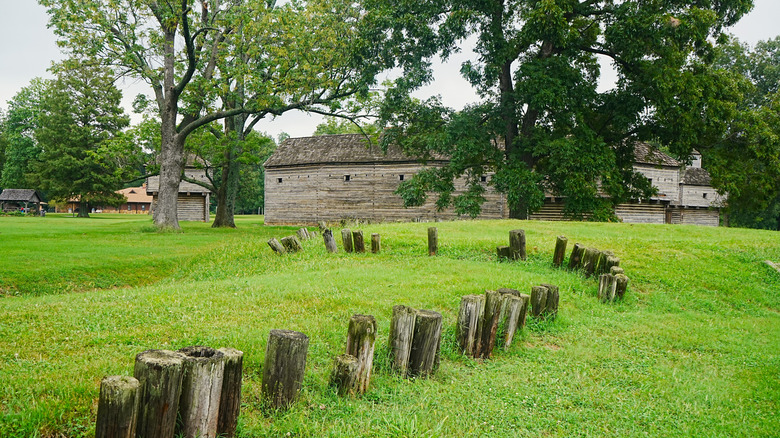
[27,49]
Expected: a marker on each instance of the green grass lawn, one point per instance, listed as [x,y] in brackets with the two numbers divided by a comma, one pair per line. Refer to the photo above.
[693,350]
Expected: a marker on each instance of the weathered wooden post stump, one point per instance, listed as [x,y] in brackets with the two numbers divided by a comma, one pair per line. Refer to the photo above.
[517,244]
[322,226]
[524,311]
[303,234]
[504,294]
[589,260]
[426,340]
[615,270]
[621,284]
[204,369]
[433,241]
[469,328]
[346,240]
[504,253]
[160,375]
[401,334]
[560,250]
[285,363]
[515,308]
[344,374]
[276,246]
[551,306]
[575,260]
[538,300]
[612,262]
[361,336]
[291,244]
[230,399]
[606,287]
[330,241]
[490,322]
[357,241]
[376,243]
[117,412]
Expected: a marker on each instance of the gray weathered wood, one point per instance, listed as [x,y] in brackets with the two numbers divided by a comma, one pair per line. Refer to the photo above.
[517,244]
[616,270]
[621,284]
[291,244]
[285,363]
[346,240]
[361,336]
[401,334]
[612,262]
[606,287]
[560,250]
[426,340]
[230,400]
[575,260]
[538,300]
[376,243]
[276,246]
[490,322]
[322,226]
[524,311]
[514,308]
[344,374]
[589,260]
[504,253]
[160,375]
[551,306]
[303,234]
[433,241]
[503,319]
[469,328]
[330,241]
[201,390]
[358,242]
[117,412]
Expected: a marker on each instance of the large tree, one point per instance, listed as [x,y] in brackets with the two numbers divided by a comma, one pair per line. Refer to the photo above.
[217,59]
[544,125]
[18,128]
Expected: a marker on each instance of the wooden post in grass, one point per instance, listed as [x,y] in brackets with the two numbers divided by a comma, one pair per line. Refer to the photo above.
[490,323]
[285,363]
[517,244]
[376,243]
[504,294]
[469,328]
[606,287]
[589,260]
[621,284]
[276,246]
[426,340]
[504,253]
[361,335]
[538,300]
[615,270]
[346,240]
[344,374]
[117,412]
[524,311]
[401,333]
[201,388]
[160,375]
[330,241]
[560,250]
[515,306]
[575,260]
[433,241]
[303,234]
[551,306]
[612,261]
[291,244]
[230,400]
[357,241]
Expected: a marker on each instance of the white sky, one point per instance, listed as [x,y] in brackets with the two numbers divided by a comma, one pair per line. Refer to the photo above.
[27,49]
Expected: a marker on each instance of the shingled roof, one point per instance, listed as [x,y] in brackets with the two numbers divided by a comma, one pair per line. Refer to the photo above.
[20,195]
[644,153]
[334,149]
[696,176]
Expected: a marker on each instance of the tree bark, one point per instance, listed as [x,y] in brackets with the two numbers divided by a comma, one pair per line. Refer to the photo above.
[330,242]
[361,336]
[344,374]
[470,321]
[517,244]
[117,412]
[433,241]
[285,363]
[425,343]
[204,369]
[401,333]
[358,242]
[160,375]
[346,240]
[376,243]
[560,250]
[230,399]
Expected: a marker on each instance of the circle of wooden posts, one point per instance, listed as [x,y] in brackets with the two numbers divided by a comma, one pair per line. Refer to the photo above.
[484,319]
[117,412]
[285,362]
[204,369]
[160,375]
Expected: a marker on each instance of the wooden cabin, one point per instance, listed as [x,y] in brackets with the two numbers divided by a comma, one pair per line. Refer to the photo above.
[194,199]
[20,199]
[334,178]
[138,202]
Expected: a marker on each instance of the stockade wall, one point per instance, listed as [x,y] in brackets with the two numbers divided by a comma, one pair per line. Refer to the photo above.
[636,213]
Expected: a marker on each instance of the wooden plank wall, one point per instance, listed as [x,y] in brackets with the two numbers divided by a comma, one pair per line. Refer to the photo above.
[635,213]
[700,216]
[192,207]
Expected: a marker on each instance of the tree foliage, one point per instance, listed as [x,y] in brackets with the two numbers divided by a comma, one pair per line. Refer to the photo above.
[17,135]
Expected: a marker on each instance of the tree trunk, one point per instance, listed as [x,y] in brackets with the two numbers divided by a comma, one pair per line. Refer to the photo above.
[346,240]
[344,374]
[360,343]
[517,244]
[204,369]
[117,412]
[160,375]
[433,241]
[425,343]
[83,209]
[358,242]
[230,399]
[171,167]
[228,187]
[560,250]
[285,363]
[401,333]
[330,242]
[469,328]
[376,243]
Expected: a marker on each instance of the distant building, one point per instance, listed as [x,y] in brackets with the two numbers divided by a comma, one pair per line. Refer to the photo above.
[19,199]
[193,202]
[138,201]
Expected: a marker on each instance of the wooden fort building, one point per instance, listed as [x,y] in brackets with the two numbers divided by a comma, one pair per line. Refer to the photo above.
[194,199]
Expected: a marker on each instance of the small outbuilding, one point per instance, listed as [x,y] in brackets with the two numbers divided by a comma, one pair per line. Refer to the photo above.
[18,199]
[193,202]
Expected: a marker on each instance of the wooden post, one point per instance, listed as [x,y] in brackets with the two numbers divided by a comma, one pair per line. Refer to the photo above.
[514,308]
[344,374]
[606,287]
[551,307]
[425,343]
[230,400]
[276,246]
[303,234]
[204,369]
[376,243]
[401,333]
[504,253]
[538,300]
[322,226]
[469,328]
[117,411]
[575,260]
[517,244]
[560,250]
[615,270]
[358,243]
[361,335]
[621,284]
[433,241]
[503,319]
[612,261]
[291,244]
[346,240]
[160,375]
[330,242]
[490,323]
[285,362]
[589,260]
[524,311]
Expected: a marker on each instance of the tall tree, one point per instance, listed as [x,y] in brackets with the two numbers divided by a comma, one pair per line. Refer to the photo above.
[232,59]
[81,114]
[18,131]
[543,125]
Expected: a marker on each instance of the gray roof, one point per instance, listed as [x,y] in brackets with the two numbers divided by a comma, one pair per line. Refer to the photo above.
[334,149]
[696,176]
[20,195]
[644,153]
